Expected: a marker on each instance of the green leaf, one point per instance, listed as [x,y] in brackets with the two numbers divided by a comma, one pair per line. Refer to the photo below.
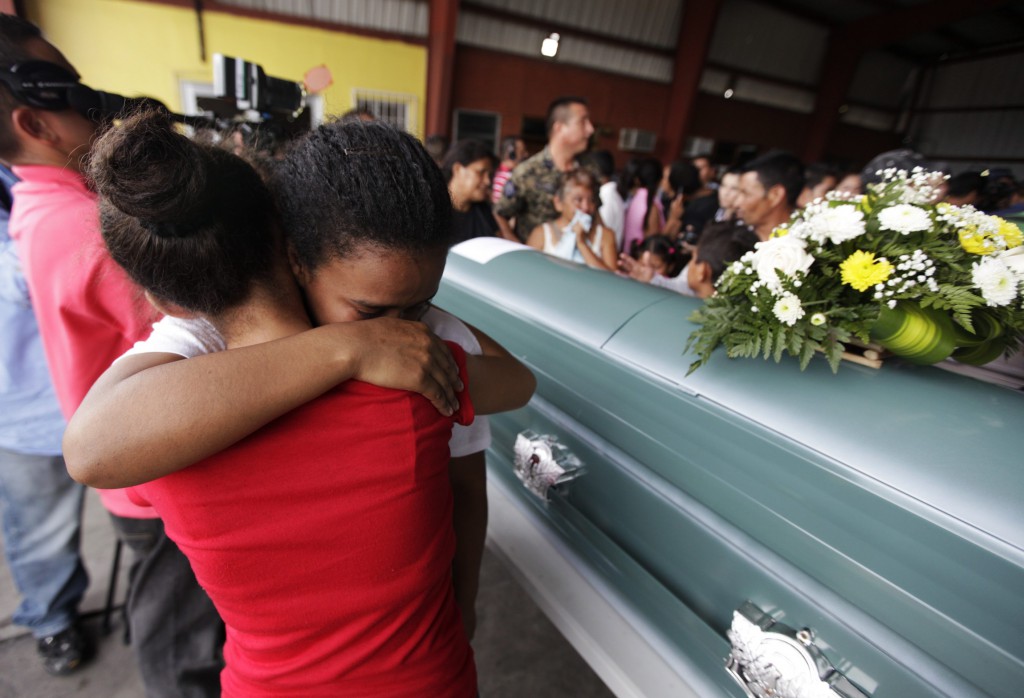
[780,345]
[806,352]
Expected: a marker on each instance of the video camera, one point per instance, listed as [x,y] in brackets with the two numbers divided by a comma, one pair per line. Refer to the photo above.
[251,89]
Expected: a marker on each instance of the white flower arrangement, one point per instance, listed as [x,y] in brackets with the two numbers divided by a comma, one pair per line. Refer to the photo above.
[844,264]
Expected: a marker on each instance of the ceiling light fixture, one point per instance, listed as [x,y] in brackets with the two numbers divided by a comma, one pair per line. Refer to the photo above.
[549,47]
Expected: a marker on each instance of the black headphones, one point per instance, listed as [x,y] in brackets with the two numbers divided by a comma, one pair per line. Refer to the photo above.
[41,84]
[45,85]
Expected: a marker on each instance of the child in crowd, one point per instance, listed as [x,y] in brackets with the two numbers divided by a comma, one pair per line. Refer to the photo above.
[719,246]
[325,539]
[663,254]
[645,214]
[574,235]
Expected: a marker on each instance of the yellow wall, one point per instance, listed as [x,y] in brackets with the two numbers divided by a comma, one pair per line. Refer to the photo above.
[139,48]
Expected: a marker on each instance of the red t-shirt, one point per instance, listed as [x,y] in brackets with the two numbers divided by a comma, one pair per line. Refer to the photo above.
[325,540]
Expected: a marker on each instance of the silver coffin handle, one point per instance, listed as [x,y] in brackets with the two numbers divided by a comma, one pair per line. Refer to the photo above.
[542,463]
[772,660]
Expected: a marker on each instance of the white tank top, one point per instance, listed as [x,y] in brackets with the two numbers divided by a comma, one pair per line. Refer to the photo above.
[566,245]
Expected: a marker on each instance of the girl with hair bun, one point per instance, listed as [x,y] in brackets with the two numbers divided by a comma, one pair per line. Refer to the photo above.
[325,538]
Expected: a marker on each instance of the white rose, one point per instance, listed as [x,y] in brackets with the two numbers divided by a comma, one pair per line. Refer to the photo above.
[787,254]
[1014,259]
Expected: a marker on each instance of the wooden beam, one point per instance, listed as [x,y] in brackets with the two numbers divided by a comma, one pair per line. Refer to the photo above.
[444,15]
[695,32]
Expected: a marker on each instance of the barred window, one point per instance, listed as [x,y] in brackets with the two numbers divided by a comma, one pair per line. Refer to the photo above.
[395,108]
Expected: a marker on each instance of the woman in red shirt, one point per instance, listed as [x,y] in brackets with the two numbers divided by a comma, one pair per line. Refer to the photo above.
[325,538]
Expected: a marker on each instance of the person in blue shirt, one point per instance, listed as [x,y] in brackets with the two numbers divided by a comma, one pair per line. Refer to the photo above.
[40,505]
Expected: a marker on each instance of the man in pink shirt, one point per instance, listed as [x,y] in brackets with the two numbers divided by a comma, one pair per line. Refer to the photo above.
[89,313]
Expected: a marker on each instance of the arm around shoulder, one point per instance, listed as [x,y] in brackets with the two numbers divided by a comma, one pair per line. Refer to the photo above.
[498,381]
[153,414]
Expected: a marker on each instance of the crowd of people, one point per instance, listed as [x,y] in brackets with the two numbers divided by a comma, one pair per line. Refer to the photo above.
[304,494]
[676,225]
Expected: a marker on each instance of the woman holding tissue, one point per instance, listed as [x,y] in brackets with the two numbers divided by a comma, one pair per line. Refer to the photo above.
[574,235]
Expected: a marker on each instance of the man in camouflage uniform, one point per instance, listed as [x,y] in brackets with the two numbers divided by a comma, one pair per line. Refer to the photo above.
[527,196]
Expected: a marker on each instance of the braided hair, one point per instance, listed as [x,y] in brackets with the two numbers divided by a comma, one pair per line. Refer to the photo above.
[361,183]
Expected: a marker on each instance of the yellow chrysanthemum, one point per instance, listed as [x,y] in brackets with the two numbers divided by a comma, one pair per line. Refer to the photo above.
[975,241]
[1010,232]
[862,271]
[987,240]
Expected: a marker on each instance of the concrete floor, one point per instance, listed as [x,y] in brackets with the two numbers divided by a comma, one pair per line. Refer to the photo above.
[518,651]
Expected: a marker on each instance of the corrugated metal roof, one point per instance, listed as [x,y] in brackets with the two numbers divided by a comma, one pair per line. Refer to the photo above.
[752,36]
[475,29]
[396,16]
[868,118]
[995,134]
[653,22]
[977,83]
[882,80]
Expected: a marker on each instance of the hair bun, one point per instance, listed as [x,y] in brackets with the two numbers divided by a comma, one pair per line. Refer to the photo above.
[147,170]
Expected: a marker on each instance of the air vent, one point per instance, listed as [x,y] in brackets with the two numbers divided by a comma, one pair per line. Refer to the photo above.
[635,140]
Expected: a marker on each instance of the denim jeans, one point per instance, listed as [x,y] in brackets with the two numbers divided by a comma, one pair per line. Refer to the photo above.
[177,635]
[41,508]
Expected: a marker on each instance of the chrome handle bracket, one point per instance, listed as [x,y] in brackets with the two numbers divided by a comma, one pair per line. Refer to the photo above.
[542,463]
[772,660]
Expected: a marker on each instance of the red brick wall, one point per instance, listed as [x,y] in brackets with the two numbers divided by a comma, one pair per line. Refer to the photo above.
[516,86]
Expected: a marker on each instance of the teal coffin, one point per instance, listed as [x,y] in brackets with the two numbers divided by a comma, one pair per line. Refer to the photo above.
[876,515]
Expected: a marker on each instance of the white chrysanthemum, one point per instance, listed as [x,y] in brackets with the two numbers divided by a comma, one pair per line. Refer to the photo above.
[787,254]
[788,309]
[818,319]
[997,282]
[904,219]
[836,224]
